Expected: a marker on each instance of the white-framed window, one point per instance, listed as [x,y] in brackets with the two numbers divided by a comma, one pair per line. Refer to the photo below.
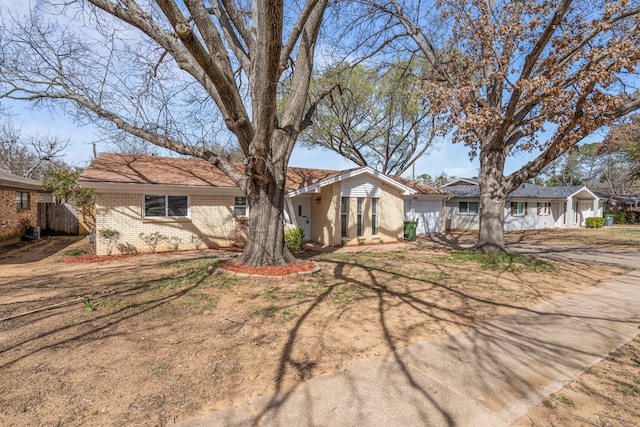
[166,206]
[344,217]
[544,208]
[239,206]
[360,216]
[22,200]
[468,207]
[518,208]
[374,215]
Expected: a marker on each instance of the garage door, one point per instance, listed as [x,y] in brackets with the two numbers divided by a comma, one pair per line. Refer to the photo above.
[429,215]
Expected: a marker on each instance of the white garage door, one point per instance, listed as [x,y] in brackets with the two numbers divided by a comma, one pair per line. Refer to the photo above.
[429,215]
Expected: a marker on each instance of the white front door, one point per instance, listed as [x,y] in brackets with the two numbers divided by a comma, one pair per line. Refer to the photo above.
[302,208]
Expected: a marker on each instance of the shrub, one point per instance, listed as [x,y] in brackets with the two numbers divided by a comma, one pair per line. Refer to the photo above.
[594,222]
[195,241]
[293,238]
[153,239]
[175,241]
[619,217]
[111,236]
[126,248]
[631,217]
[240,233]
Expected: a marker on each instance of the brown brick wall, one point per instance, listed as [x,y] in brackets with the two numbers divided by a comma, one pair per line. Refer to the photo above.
[12,221]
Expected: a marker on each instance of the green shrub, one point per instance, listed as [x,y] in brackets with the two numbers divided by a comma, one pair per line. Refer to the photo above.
[111,236]
[631,217]
[293,238]
[175,241]
[619,217]
[196,241]
[594,222]
[153,240]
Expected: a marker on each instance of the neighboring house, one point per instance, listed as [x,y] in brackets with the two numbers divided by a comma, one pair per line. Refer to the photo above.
[625,202]
[190,199]
[528,207]
[19,199]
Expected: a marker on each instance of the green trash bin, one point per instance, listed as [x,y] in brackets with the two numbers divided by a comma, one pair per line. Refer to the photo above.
[608,220]
[410,228]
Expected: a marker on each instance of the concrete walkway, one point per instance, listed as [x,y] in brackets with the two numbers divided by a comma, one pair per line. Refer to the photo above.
[487,375]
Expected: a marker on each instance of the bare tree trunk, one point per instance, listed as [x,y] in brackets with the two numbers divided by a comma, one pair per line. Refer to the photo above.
[492,198]
[265,245]
[265,199]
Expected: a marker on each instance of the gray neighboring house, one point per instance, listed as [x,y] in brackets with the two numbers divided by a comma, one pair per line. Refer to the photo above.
[529,207]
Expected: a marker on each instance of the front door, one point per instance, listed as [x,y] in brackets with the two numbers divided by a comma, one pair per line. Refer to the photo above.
[302,207]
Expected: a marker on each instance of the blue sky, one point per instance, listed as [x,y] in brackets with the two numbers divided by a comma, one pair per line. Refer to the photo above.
[446,157]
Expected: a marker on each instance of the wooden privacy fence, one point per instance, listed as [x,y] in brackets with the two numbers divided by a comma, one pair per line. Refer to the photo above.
[58,218]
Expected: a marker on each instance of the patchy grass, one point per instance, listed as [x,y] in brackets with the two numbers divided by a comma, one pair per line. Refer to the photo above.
[194,342]
[511,261]
[622,237]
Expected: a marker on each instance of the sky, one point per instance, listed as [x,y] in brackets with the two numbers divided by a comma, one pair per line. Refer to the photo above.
[444,157]
[452,159]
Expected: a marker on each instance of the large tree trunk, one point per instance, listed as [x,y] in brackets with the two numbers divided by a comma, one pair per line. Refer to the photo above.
[265,200]
[265,244]
[492,200]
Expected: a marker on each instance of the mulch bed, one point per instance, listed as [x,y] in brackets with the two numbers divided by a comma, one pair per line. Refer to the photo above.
[81,259]
[277,270]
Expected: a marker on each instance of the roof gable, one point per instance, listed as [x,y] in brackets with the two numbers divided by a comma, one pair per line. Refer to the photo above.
[461,181]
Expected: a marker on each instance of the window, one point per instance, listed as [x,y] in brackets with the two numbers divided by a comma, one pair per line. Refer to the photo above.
[544,208]
[374,216]
[360,216]
[22,200]
[344,217]
[468,207]
[518,208]
[165,206]
[240,206]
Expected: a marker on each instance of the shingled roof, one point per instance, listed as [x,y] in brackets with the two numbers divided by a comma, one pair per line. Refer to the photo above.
[524,191]
[136,169]
[420,187]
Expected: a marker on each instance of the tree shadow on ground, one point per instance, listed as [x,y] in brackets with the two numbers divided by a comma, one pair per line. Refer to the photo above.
[479,341]
[26,252]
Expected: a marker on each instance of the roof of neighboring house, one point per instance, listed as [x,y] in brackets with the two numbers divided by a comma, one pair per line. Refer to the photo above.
[17,182]
[136,169]
[420,187]
[524,191]
[461,181]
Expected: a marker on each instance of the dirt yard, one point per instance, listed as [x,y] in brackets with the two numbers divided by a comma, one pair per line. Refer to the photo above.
[155,339]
